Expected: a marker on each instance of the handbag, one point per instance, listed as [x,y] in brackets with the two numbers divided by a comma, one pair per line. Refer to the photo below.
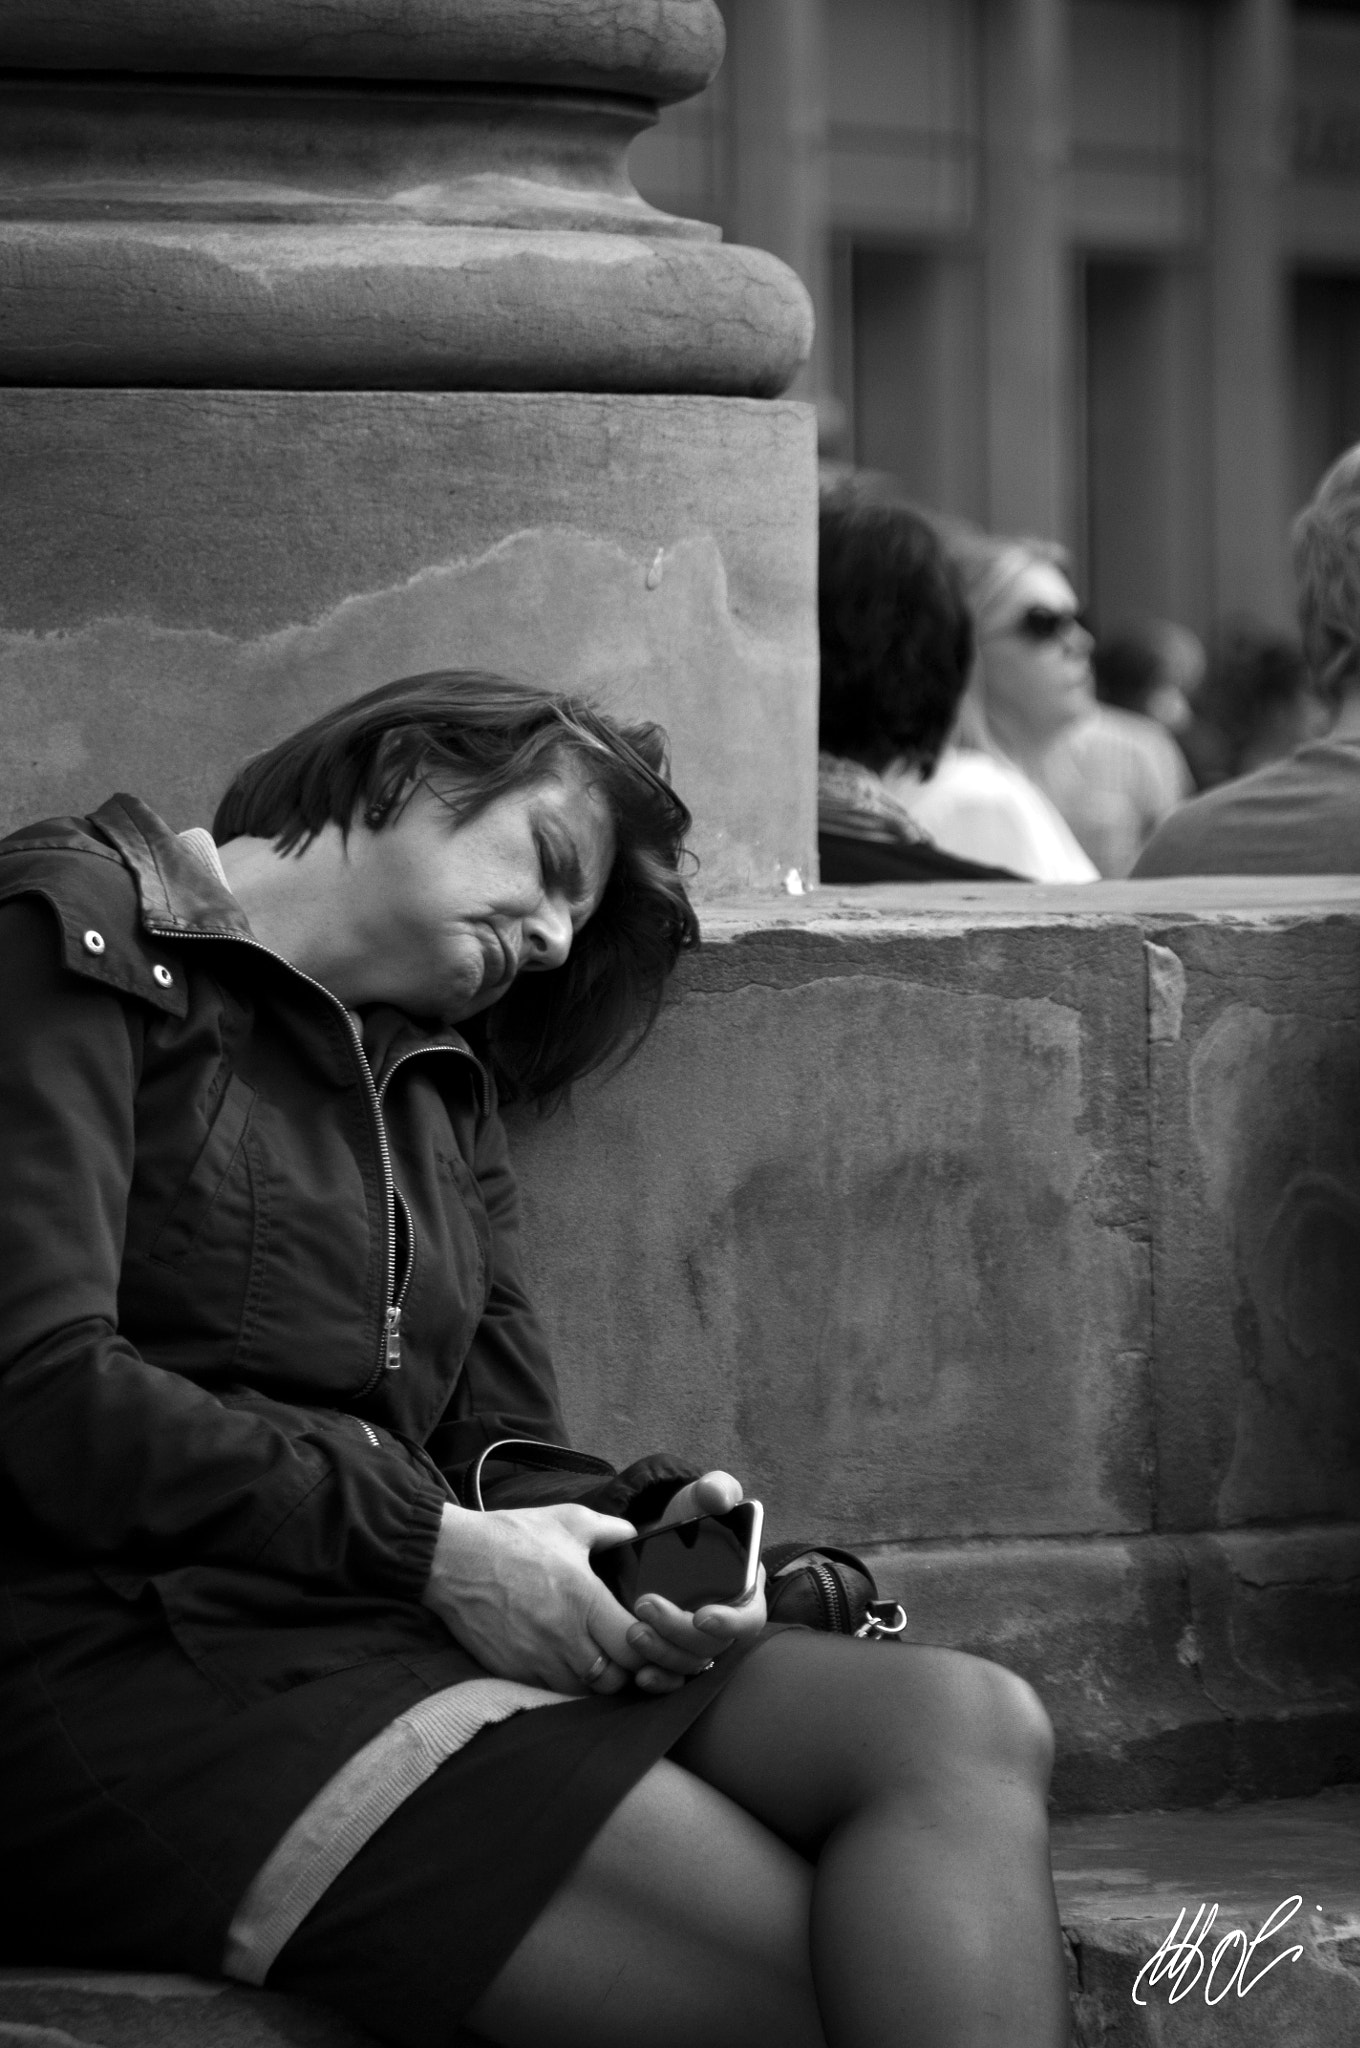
[832,1590]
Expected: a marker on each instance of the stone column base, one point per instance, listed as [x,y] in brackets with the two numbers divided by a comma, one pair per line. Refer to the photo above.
[191,574]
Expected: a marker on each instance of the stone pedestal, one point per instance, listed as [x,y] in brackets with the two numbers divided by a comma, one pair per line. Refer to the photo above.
[337,344]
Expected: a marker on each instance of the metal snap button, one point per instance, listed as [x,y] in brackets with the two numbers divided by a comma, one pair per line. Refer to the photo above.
[162,976]
[94,942]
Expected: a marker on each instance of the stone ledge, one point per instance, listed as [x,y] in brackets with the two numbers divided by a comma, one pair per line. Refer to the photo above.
[70,2008]
[658,49]
[1177,1668]
[393,306]
[1121,1883]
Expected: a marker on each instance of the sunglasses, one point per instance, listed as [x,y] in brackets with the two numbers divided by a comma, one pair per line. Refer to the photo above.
[1041,624]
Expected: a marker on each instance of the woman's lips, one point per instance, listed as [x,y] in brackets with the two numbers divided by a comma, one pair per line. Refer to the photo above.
[501,964]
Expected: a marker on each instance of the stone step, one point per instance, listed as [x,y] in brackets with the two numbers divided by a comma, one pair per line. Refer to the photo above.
[1288,1869]
[1123,1883]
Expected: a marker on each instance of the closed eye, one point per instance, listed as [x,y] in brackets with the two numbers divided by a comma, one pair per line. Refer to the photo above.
[560,867]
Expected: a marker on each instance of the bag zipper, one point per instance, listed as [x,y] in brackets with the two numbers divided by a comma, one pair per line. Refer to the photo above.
[389,1342]
[835,1604]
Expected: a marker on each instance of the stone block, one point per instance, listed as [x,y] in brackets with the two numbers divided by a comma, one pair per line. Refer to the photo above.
[191,575]
[1176,1670]
[882,1199]
[116,2009]
[866,1221]
[1255,1187]
[1291,1866]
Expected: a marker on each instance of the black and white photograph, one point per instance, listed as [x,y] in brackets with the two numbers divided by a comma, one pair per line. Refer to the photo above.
[680,1023]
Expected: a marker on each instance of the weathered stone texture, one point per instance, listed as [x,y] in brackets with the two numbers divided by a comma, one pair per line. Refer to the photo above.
[115,2009]
[661,49]
[866,1212]
[1123,1881]
[1255,1119]
[930,1214]
[393,306]
[1175,1668]
[881,1196]
[163,613]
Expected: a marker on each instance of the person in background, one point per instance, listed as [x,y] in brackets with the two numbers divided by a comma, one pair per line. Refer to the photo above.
[1031,679]
[1298,815]
[896,647]
[1256,705]
[1153,666]
[1117,772]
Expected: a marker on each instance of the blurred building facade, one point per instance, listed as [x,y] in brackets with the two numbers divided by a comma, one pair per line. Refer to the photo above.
[1088,268]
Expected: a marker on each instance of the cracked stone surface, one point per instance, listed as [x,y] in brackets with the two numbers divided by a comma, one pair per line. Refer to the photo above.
[165,612]
[1123,1881]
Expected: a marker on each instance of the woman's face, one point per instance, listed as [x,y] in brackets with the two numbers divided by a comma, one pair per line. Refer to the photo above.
[1037,658]
[443,916]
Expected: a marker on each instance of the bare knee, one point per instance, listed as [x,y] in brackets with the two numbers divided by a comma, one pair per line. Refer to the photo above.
[992,1720]
[945,1717]
[1010,1720]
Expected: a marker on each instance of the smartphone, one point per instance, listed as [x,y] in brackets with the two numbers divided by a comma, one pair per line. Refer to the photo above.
[710,1559]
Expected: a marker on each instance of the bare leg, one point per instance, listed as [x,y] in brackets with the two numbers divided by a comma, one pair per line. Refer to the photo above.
[915,1780]
[685,1925]
[868,1818]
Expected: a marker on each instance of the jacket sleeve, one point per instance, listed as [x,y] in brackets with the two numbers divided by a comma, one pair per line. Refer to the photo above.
[508,1390]
[114,1458]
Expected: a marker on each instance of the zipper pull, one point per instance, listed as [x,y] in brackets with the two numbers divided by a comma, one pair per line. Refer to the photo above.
[392,1341]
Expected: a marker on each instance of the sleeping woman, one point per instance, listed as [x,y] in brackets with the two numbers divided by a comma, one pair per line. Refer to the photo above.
[306,1678]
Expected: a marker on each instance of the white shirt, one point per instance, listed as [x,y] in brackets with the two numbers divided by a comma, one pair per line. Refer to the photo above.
[984,808]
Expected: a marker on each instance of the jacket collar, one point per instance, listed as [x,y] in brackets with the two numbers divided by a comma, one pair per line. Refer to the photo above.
[177,892]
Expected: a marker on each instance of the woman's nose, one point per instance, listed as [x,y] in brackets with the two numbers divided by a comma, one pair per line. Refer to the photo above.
[548,933]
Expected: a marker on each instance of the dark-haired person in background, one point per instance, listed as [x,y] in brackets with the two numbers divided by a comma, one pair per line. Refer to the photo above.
[305,1676]
[1256,704]
[897,650]
[1299,815]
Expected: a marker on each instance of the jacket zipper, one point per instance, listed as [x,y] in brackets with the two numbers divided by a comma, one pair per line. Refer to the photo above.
[389,1345]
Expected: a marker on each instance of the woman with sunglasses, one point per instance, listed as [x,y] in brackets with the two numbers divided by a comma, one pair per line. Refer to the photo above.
[1031,684]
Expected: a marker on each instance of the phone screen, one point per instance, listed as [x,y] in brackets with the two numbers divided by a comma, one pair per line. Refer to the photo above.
[711,1558]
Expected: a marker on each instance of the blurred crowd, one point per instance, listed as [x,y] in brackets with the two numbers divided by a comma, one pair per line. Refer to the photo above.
[974,725]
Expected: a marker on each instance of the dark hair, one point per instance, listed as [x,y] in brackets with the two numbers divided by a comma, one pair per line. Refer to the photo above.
[1254,671]
[490,734]
[897,637]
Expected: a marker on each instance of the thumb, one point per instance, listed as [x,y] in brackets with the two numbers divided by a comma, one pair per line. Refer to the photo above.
[599,1532]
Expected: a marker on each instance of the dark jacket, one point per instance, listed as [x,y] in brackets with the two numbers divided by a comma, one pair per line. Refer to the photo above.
[261,1314]
[842,860]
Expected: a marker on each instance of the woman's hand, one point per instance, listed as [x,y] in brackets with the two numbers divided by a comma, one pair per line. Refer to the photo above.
[675,1643]
[514,1586]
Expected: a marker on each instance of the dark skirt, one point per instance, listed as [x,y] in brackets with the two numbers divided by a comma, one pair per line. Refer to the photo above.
[143,1791]
[414,1929]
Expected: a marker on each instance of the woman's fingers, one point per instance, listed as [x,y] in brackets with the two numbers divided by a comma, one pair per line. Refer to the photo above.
[712,1494]
[704,1634]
